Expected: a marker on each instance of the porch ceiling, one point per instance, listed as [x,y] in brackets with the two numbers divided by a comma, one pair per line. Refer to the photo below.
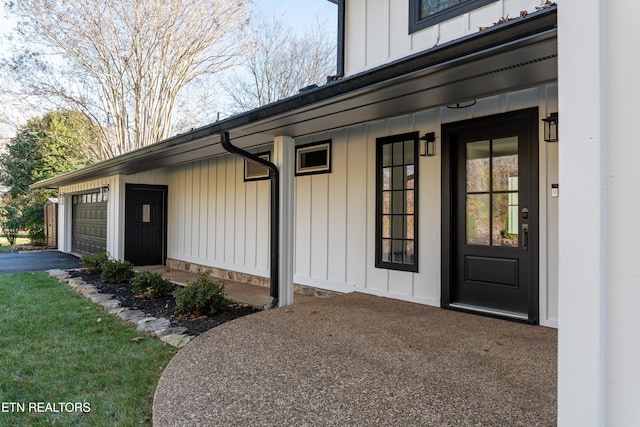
[507,57]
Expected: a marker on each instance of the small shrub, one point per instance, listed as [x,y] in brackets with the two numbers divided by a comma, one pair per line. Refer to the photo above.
[11,222]
[150,285]
[114,271]
[203,297]
[94,262]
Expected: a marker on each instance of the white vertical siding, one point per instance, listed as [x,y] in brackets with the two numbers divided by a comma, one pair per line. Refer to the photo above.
[216,219]
[335,213]
[378,30]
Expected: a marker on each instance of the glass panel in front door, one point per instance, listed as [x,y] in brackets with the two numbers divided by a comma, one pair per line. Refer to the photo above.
[492,192]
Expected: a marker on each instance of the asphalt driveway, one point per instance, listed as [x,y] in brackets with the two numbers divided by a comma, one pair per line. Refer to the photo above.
[14,262]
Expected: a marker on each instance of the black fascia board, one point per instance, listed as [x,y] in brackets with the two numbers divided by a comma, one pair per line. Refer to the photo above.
[501,34]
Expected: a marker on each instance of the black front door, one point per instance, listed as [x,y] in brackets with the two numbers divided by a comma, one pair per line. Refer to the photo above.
[145,224]
[493,216]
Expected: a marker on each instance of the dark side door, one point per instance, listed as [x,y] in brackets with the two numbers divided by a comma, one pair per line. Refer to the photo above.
[146,224]
[491,209]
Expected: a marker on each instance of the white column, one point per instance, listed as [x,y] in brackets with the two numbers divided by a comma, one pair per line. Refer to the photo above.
[599,273]
[622,183]
[284,159]
[64,222]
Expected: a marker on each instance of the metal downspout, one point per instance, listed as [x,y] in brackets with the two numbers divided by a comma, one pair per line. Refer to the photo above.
[274,177]
[341,42]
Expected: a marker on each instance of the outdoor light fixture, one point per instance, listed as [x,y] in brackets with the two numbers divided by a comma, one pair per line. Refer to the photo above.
[429,147]
[551,128]
[104,192]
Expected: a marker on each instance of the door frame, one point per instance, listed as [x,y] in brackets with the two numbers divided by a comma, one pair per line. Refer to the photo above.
[449,185]
[146,187]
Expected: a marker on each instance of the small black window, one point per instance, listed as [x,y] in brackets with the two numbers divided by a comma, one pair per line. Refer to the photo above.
[425,13]
[397,202]
[254,171]
[313,158]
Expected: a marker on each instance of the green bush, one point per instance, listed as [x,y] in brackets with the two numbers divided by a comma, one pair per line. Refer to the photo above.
[94,262]
[150,285]
[203,297]
[34,224]
[11,222]
[114,271]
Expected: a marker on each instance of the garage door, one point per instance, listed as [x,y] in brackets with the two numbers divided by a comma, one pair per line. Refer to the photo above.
[89,219]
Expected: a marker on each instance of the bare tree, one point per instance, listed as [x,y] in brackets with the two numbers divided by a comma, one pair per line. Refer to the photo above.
[279,63]
[123,63]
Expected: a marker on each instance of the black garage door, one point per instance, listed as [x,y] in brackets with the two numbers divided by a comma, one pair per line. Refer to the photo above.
[89,219]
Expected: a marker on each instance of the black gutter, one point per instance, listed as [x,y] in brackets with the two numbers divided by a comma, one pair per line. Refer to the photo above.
[341,43]
[530,25]
[274,177]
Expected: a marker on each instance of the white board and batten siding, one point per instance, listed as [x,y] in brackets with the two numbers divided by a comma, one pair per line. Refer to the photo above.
[335,213]
[216,219]
[378,30]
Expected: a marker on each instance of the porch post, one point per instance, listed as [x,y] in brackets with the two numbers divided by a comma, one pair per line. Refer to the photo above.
[284,159]
[599,297]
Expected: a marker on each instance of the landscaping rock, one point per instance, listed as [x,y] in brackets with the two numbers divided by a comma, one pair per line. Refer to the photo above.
[132,316]
[179,330]
[87,290]
[111,304]
[74,283]
[145,321]
[60,275]
[176,340]
[99,298]
[154,325]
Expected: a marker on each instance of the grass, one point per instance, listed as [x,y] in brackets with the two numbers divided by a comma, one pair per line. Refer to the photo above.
[22,239]
[54,349]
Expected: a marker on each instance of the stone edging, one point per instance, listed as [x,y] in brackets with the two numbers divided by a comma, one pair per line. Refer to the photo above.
[160,328]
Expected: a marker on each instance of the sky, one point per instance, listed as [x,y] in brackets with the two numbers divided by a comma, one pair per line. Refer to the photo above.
[297,14]
[300,13]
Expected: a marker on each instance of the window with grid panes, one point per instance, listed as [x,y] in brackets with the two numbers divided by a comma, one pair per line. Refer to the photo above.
[397,202]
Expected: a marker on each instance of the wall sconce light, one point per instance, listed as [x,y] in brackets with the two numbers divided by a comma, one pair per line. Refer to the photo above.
[551,128]
[104,193]
[429,146]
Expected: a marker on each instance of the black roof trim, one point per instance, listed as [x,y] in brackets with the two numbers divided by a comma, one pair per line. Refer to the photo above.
[498,35]
[529,25]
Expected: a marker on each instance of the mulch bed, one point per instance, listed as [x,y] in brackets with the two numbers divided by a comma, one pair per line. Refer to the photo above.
[165,306]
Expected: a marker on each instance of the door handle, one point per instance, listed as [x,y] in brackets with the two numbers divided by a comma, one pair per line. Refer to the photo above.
[525,237]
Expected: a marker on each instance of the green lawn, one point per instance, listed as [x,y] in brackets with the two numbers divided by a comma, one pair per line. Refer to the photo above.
[22,239]
[60,349]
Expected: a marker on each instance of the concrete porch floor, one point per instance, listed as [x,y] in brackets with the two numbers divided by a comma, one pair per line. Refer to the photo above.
[357,359]
[245,293]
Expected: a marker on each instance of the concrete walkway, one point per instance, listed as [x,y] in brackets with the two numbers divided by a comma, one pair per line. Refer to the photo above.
[362,360]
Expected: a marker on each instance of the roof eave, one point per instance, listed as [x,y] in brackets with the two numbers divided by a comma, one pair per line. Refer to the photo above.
[487,39]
